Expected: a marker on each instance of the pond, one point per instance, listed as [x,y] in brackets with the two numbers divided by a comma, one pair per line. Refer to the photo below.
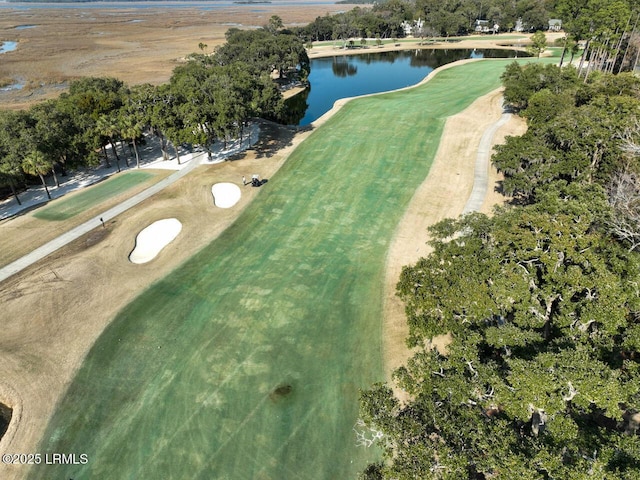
[344,76]
[8,46]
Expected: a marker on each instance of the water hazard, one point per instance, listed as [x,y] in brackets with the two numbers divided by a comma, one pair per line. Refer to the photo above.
[344,76]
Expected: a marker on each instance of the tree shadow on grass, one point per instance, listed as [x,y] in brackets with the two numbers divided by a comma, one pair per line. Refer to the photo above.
[273,138]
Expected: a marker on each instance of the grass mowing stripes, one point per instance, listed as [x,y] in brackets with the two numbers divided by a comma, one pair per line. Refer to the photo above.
[246,362]
[72,205]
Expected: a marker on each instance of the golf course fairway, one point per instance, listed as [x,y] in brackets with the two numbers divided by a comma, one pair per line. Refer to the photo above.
[246,362]
[79,202]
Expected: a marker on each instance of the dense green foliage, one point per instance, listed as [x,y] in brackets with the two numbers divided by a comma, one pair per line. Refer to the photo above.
[581,18]
[575,129]
[263,51]
[541,378]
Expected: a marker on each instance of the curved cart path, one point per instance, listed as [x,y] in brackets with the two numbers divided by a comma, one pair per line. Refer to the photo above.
[481,175]
[455,185]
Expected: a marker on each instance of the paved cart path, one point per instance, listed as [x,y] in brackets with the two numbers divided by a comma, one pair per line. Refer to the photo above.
[75,233]
[480,181]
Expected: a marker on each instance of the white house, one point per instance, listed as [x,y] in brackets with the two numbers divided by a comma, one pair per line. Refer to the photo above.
[482,26]
[411,27]
[555,25]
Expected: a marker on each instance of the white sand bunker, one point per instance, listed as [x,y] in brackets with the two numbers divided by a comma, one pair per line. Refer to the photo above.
[151,240]
[225,195]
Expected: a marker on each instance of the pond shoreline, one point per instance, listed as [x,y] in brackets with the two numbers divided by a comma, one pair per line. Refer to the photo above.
[500,41]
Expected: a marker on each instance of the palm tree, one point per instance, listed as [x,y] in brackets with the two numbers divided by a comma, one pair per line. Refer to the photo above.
[35,163]
[132,130]
[106,127]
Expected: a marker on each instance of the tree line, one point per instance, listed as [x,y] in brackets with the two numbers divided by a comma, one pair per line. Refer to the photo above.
[608,29]
[541,377]
[441,18]
[209,98]
[447,18]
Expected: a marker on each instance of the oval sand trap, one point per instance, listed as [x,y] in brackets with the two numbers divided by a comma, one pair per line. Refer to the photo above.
[225,195]
[151,240]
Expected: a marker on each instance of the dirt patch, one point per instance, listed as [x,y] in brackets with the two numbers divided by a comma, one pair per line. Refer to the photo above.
[281,392]
[96,236]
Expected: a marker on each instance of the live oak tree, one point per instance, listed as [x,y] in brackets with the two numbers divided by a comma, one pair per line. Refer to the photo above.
[541,379]
[56,132]
[262,51]
[11,151]
[624,197]
[575,130]
[93,103]
[521,82]
[213,102]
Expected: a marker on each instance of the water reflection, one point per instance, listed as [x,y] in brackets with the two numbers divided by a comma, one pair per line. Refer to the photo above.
[342,67]
[295,108]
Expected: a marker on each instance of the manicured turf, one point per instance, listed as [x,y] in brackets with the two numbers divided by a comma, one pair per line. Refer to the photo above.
[72,205]
[246,362]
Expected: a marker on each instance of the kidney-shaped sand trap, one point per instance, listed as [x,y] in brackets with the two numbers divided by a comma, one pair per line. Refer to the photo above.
[225,195]
[151,240]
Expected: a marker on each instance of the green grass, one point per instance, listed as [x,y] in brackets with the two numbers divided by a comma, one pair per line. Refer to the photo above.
[70,206]
[183,383]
